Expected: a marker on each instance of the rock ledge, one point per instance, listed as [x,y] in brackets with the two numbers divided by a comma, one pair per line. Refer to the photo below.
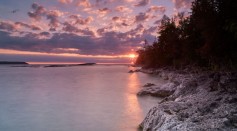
[193,102]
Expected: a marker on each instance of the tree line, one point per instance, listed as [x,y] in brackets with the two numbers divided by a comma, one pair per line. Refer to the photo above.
[207,37]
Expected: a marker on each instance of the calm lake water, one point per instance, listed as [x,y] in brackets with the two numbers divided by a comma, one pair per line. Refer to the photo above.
[85,98]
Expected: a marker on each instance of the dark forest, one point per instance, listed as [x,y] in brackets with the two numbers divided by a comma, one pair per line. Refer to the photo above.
[206,37]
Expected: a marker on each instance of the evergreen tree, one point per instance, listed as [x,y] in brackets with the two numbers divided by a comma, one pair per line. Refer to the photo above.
[208,37]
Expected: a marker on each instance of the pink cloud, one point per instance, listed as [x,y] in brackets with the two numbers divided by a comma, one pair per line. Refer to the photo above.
[104,10]
[129,1]
[142,17]
[182,3]
[65,1]
[32,27]
[123,9]
[80,20]
[8,26]
[83,3]
[51,15]
[116,18]
[70,28]
[104,2]
[74,29]
[122,21]
[160,9]
[143,3]
[65,50]
[39,11]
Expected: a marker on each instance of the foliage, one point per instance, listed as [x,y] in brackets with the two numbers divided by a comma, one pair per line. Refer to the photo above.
[208,37]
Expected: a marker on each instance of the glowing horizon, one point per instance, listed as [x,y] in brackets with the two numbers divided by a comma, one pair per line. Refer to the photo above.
[17,52]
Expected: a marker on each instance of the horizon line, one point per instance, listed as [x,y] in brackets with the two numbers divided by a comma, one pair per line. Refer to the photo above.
[104,63]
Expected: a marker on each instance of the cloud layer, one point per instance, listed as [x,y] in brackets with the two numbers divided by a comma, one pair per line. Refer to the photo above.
[85,27]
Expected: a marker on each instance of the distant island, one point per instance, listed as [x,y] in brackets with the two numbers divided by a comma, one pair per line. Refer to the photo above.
[12,63]
[69,65]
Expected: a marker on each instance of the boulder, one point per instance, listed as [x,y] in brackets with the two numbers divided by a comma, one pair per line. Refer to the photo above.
[149,85]
[159,91]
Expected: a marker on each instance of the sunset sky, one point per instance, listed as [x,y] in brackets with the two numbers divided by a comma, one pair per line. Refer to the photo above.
[102,31]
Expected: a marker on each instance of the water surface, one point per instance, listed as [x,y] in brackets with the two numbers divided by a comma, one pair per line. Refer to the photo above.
[85,98]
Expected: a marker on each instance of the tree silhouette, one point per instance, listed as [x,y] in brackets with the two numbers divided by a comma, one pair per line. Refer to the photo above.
[208,37]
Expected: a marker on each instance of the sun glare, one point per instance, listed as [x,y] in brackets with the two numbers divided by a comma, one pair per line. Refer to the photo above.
[132,56]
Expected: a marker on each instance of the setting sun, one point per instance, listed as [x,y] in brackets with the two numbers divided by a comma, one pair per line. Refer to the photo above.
[132,56]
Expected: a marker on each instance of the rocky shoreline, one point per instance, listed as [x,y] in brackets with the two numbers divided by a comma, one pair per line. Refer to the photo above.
[193,100]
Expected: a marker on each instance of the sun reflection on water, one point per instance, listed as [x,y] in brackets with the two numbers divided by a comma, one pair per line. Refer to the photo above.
[132,107]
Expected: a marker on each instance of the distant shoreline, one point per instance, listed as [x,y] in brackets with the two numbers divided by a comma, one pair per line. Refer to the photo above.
[73,63]
[58,63]
[70,65]
[13,63]
[52,65]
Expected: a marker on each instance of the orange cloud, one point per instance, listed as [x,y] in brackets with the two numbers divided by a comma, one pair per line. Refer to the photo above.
[83,3]
[65,1]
